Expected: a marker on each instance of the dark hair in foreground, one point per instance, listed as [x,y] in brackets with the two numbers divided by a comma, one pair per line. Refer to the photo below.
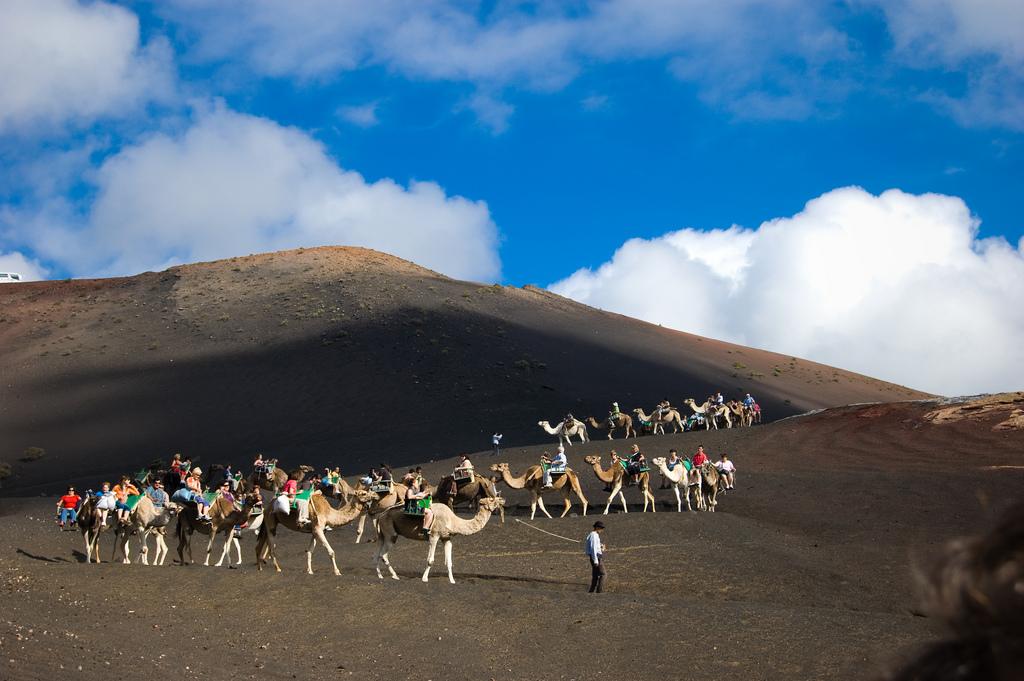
[977,589]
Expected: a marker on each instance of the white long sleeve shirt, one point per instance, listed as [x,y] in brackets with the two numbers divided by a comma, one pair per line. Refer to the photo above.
[594,548]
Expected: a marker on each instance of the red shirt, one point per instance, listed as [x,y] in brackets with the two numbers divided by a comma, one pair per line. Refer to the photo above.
[70,501]
[699,459]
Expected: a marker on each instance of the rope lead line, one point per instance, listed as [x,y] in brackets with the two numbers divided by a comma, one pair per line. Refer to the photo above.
[546,532]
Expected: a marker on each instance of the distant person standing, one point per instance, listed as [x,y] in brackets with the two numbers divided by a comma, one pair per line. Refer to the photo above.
[496,440]
[595,551]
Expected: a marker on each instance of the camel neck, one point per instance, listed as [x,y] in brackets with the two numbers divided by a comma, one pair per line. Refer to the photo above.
[471,526]
[515,482]
[605,476]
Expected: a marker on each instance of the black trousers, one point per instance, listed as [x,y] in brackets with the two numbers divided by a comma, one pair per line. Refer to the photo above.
[597,573]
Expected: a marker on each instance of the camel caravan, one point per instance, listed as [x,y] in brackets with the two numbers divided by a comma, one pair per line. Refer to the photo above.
[715,412]
[225,505]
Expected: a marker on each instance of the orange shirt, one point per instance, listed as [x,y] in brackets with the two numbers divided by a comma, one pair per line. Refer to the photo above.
[122,492]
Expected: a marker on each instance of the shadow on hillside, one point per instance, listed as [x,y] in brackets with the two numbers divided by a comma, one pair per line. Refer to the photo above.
[414,386]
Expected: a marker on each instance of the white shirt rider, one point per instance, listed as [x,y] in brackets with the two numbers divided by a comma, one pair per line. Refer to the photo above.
[558,462]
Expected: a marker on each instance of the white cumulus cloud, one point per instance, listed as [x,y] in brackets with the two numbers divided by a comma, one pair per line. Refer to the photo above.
[896,286]
[232,184]
[67,61]
[18,263]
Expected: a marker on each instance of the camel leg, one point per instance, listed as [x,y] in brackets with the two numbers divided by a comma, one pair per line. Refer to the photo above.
[126,546]
[430,555]
[88,546]
[533,507]
[679,501]
[568,503]
[309,554]
[649,495]
[359,528]
[161,549]
[209,545]
[382,555]
[540,502]
[622,498]
[238,549]
[448,559]
[225,552]
[319,532]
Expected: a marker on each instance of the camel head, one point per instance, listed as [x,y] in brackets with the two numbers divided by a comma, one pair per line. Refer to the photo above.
[543,423]
[172,508]
[499,467]
[306,469]
[366,497]
[593,459]
[492,504]
[658,461]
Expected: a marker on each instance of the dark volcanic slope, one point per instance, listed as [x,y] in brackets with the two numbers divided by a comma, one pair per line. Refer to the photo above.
[345,355]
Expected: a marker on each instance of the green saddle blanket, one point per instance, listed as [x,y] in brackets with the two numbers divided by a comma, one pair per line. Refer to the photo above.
[304,495]
[133,500]
[417,506]
[209,497]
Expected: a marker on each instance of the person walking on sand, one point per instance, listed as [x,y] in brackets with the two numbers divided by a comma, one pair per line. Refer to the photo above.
[496,440]
[595,551]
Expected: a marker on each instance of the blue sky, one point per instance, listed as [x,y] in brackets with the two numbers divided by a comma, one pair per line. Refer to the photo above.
[547,143]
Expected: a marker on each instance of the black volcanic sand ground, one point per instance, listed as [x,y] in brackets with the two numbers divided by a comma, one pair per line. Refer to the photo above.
[804,573]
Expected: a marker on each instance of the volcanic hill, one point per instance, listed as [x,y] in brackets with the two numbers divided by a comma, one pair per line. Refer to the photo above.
[340,355]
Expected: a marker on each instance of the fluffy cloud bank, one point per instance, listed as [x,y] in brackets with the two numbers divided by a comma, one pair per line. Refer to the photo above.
[64,61]
[232,183]
[896,286]
[29,269]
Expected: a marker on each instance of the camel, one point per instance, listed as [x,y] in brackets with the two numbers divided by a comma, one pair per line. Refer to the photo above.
[144,521]
[658,419]
[445,525]
[224,515]
[707,494]
[743,414]
[468,493]
[89,525]
[532,481]
[321,515]
[710,413]
[396,496]
[616,477]
[562,433]
[274,481]
[680,477]
[619,421]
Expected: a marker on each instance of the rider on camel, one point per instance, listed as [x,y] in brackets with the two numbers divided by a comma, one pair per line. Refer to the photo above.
[558,463]
[412,497]
[637,461]
[614,414]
